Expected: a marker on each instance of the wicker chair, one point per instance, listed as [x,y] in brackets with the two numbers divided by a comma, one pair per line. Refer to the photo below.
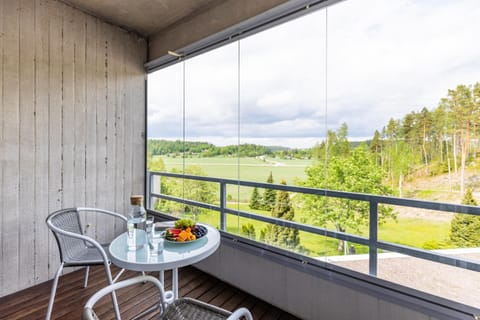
[180,309]
[77,249]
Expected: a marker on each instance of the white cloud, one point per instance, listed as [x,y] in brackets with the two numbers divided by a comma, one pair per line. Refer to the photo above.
[385,59]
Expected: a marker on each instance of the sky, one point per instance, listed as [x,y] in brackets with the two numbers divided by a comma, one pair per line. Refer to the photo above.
[361,62]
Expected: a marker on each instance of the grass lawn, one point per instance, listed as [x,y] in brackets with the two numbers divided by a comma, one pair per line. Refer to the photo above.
[415,232]
[251,169]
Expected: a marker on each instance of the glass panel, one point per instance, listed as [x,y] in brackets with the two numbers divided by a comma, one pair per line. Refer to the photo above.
[165,123]
[211,125]
[398,117]
[282,94]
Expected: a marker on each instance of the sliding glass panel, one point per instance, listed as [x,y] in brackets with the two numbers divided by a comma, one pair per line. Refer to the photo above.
[282,117]
[165,134]
[210,126]
[405,82]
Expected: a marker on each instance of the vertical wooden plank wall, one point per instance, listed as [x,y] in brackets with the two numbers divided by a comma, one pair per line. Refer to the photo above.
[2,143]
[27,142]
[11,152]
[41,196]
[71,128]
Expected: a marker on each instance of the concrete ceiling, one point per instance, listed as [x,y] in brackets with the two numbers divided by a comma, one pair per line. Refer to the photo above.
[145,17]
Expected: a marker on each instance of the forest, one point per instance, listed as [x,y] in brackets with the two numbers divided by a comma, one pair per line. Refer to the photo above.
[440,140]
[161,147]
[444,139]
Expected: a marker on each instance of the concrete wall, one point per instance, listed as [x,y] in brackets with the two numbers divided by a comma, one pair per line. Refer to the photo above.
[71,128]
[225,14]
[308,295]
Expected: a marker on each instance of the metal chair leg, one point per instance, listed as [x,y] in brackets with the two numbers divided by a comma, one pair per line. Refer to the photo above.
[114,296]
[54,291]
[115,306]
[87,271]
[118,275]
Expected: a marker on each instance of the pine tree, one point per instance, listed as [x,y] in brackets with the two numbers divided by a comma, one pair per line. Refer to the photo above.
[376,147]
[282,236]
[269,195]
[248,230]
[464,228]
[255,200]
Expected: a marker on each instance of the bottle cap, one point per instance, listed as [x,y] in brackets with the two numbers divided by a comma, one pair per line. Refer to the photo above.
[136,200]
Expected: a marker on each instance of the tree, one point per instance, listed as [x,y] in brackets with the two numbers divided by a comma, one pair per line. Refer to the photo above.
[376,147]
[356,173]
[269,195]
[335,145]
[278,235]
[425,122]
[255,200]
[464,103]
[248,230]
[155,164]
[341,147]
[464,228]
[158,184]
[196,190]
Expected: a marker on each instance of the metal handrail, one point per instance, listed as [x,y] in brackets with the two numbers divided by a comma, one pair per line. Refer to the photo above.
[374,200]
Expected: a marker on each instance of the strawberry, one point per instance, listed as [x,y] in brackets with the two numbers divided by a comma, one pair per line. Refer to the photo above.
[175,231]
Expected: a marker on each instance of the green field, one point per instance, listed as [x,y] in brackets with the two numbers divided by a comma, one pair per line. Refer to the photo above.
[251,169]
[415,232]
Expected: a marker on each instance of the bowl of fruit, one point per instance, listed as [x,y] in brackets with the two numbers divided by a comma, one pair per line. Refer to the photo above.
[185,231]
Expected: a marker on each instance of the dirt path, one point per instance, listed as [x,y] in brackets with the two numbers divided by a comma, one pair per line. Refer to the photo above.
[441,188]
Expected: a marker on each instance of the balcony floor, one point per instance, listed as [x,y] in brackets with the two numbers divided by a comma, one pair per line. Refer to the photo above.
[32,303]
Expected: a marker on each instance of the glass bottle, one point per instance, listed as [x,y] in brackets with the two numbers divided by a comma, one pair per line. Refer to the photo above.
[138,214]
[136,220]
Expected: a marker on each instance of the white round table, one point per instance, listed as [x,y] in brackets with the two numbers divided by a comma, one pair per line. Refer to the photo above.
[174,255]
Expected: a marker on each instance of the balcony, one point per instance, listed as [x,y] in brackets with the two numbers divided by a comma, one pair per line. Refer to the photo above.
[73,131]
[405,269]
[32,303]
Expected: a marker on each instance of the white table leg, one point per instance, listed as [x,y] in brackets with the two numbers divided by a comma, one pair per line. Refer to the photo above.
[161,277]
[175,283]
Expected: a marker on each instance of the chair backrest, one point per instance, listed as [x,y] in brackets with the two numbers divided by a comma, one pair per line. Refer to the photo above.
[89,314]
[67,220]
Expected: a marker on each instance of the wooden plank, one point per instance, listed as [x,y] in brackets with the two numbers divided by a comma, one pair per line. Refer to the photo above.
[2,147]
[111,128]
[91,118]
[101,89]
[40,260]
[68,111]
[79,109]
[119,69]
[138,108]
[128,123]
[72,297]
[27,144]
[10,229]
[55,129]
[61,160]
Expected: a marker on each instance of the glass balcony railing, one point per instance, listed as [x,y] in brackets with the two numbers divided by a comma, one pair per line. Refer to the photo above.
[376,255]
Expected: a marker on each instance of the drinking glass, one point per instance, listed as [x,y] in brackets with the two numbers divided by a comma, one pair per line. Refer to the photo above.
[148,229]
[149,224]
[131,235]
[156,242]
